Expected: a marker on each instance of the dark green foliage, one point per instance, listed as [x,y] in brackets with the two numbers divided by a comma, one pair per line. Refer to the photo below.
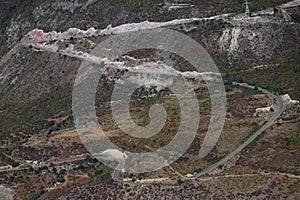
[8,160]
[179,181]
[296,18]
[280,79]
[37,194]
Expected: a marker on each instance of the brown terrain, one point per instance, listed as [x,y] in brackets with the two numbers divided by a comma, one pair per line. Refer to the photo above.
[42,157]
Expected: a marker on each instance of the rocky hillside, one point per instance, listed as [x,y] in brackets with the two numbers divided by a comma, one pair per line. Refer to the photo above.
[201,191]
[37,76]
[36,86]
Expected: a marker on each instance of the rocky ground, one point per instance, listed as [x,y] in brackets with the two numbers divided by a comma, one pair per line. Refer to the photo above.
[36,96]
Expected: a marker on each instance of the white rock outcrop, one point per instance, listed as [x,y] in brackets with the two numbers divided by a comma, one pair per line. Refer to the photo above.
[113,154]
[259,111]
[6,193]
[287,100]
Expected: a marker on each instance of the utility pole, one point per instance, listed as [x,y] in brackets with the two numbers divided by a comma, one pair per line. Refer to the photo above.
[247,12]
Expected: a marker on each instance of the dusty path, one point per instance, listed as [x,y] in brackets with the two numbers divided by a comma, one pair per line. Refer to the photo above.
[248,175]
[69,178]
[4,59]
[291,4]
[7,56]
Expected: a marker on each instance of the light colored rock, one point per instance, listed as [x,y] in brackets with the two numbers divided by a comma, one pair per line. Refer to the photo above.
[259,111]
[6,193]
[113,154]
[66,5]
[235,34]
[287,100]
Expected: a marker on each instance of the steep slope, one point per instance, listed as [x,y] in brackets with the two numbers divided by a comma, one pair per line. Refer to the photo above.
[36,86]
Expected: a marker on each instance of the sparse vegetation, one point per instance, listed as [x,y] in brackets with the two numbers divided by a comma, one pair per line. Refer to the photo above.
[36,123]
